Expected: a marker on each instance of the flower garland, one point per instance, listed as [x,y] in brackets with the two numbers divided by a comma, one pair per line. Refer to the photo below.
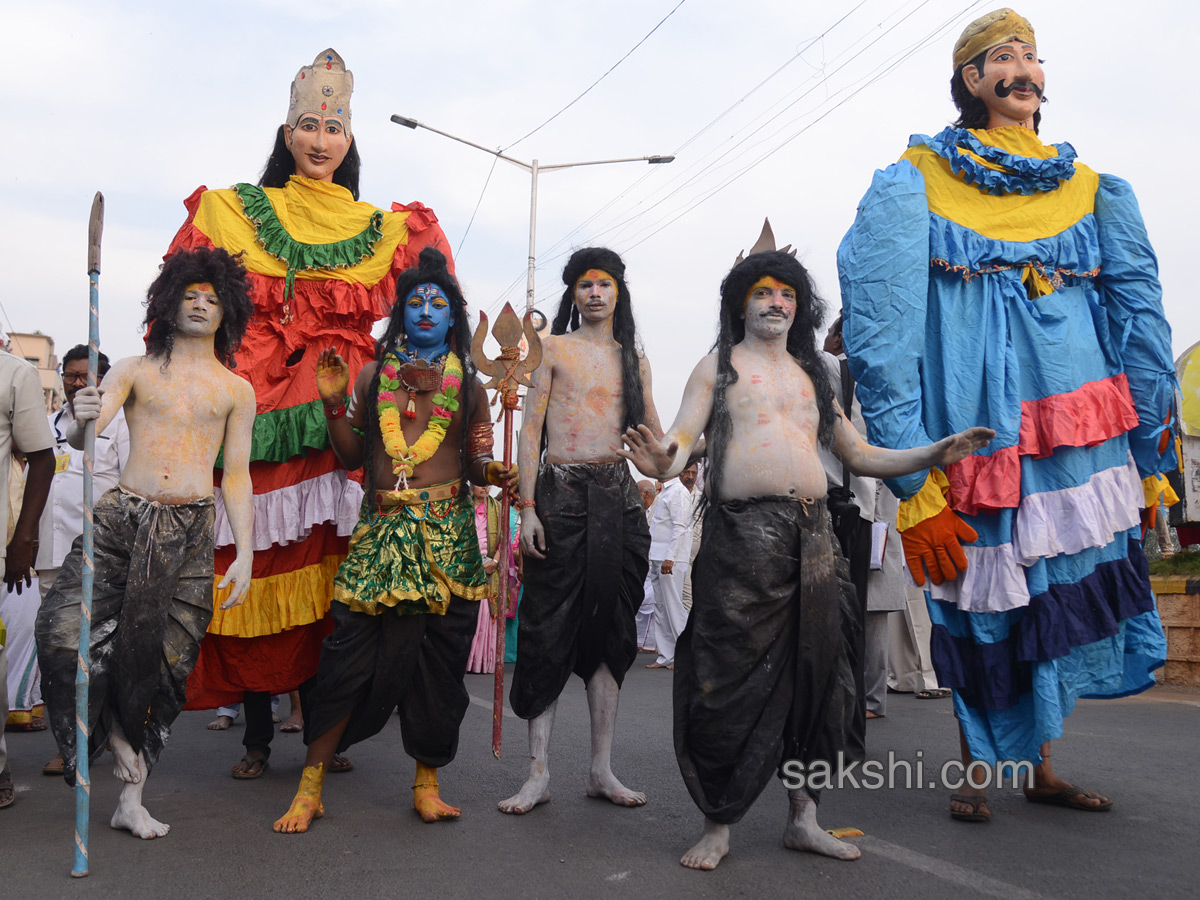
[445,404]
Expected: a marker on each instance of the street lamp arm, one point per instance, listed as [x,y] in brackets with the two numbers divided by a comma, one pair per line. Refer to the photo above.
[658,160]
[413,123]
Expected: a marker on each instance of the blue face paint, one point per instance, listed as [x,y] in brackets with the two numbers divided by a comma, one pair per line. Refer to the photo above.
[428,316]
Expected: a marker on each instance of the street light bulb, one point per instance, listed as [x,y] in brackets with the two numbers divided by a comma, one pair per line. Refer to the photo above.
[653,160]
[405,121]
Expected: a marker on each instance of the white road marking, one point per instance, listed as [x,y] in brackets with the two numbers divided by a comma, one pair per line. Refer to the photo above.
[977,884]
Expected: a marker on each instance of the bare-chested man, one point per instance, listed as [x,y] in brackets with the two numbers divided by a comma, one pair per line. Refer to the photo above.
[585,542]
[404,609]
[761,673]
[152,597]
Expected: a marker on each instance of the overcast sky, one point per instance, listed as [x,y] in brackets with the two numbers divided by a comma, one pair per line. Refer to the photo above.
[779,108]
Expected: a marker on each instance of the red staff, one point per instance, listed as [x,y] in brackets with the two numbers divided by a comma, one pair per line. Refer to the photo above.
[508,372]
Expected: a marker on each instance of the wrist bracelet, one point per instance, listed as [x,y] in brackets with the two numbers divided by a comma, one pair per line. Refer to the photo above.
[335,412]
[524,504]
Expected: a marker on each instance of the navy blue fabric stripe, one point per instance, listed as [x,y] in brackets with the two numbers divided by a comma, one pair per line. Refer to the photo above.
[1073,615]
[986,676]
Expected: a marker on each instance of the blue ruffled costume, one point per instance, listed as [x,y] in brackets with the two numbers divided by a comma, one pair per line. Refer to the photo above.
[991,280]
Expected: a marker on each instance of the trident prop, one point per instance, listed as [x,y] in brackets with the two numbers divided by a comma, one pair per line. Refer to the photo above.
[83,785]
[508,372]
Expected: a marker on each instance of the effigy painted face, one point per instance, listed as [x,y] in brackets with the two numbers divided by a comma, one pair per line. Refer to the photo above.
[596,295]
[319,144]
[1011,84]
[770,307]
[428,316]
[200,311]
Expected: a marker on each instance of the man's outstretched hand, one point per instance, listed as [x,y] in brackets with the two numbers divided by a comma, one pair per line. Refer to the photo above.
[959,446]
[647,452]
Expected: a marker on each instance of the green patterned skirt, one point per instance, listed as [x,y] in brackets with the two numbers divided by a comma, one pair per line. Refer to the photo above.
[418,549]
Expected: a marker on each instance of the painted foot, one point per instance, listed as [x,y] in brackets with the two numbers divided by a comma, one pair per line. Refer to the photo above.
[306,805]
[712,847]
[299,816]
[803,833]
[220,723]
[533,793]
[134,818]
[605,784]
[432,808]
[125,765]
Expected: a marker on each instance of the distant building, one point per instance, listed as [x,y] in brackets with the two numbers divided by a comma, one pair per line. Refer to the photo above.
[38,349]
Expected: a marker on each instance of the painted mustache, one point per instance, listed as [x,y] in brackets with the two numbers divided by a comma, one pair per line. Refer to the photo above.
[1003,90]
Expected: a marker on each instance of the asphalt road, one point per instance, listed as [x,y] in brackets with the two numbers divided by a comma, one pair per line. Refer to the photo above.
[1142,752]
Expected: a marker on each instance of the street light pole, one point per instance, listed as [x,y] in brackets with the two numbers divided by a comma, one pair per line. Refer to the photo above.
[533,168]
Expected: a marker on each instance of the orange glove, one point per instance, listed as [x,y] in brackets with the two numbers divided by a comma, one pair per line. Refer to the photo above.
[937,542]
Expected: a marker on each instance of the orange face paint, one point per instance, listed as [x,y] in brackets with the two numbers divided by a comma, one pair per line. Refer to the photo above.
[770,283]
[596,275]
[202,287]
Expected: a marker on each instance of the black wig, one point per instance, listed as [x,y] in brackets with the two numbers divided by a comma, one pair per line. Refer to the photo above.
[623,326]
[430,269]
[281,165]
[972,111]
[202,264]
[801,344]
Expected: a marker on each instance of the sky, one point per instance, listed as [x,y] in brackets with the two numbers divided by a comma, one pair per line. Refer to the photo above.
[772,108]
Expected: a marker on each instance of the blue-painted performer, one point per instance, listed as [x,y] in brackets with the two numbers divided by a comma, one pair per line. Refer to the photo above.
[990,279]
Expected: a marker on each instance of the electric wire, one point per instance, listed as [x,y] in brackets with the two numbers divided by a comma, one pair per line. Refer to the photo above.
[598,80]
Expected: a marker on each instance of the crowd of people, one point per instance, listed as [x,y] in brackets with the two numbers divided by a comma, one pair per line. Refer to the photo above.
[990,411]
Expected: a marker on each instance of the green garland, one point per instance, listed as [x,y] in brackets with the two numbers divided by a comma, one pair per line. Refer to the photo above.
[298,256]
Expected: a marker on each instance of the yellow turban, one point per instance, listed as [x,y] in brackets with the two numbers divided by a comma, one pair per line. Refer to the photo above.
[987,31]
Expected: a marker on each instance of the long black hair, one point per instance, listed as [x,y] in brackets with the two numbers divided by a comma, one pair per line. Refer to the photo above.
[623,326]
[972,111]
[801,344]
[281,165]
[430,269]
[202,264]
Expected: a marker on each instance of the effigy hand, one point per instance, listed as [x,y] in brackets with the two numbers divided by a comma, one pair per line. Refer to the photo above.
[333,377]
[238,575]
[647,452]
[959,446]
[937,543]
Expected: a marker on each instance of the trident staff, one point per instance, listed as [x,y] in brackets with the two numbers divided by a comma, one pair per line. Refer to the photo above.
[508,372]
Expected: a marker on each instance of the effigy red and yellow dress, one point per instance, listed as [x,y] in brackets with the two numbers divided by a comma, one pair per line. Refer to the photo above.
[322,269]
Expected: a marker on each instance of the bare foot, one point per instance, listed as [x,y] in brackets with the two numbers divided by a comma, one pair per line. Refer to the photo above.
[294,723]
[134,818]
[533,792]
[125,767]
[803,833]
[220,723]
[306,805]
[605,784]
[712,847]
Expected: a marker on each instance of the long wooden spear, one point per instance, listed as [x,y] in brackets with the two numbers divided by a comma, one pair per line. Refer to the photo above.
[83,785]
[509,371]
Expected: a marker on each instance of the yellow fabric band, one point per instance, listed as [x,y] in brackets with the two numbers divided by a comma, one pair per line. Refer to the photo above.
[926,503]
[313,212]
[990,29]
[278,602]
[1006,217]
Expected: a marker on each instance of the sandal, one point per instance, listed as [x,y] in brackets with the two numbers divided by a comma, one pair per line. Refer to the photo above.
[54,767]
[1069,797]
[251,767]
[7,792]
[935,694]
[975,801]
